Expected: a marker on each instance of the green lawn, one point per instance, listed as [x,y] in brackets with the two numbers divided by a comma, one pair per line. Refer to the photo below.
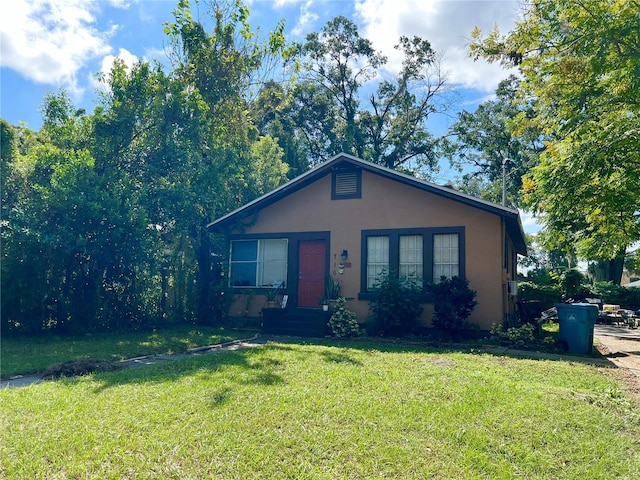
[326,411]
[31,355]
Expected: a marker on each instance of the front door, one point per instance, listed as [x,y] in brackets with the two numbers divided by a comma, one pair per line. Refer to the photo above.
[312,274]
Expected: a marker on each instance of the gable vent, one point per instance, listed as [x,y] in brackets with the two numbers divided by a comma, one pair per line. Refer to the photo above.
[346,183]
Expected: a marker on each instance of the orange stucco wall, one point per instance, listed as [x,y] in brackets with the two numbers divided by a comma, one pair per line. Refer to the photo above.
[388,204]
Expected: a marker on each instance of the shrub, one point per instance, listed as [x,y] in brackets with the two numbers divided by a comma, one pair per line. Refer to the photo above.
[547,295]
[574,285]
[343,322]
[395,307]
[453,302]
[526,337]
[617,295]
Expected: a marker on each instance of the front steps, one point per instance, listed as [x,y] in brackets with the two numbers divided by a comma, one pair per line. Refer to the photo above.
[299,322]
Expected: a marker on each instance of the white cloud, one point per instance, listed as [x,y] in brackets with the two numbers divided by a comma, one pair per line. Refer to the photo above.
[49,41]
[307,17]
[447,24]
[283,3]
[106,65]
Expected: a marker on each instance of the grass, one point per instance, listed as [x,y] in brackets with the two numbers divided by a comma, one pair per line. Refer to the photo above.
[33,355]
[326,411]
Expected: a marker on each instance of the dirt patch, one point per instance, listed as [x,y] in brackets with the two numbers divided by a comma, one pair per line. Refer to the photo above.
[443,362]
[76,368]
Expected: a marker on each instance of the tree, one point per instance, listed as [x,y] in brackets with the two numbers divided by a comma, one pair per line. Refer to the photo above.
[389,126]
[540,262]
[580,62]
[73,236]
[487,142]
[219,70]
[104,221]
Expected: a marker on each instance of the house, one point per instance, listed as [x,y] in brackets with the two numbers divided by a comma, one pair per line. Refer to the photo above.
[350,219]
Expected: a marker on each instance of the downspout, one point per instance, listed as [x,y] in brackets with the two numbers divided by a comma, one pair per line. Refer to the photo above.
[504,271]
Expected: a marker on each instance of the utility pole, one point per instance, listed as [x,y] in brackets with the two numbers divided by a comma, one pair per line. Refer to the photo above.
[504,181]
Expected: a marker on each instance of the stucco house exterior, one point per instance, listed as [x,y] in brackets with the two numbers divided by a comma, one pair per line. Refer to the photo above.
[350,219]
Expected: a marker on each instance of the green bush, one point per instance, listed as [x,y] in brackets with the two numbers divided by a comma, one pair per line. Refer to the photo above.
[547,295]
[343,322]
[395,308]
[453,302]
[574,285]
[615,294]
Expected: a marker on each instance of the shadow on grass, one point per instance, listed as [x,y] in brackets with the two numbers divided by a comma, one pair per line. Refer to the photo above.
[261,365]
[400,345]
[251,366]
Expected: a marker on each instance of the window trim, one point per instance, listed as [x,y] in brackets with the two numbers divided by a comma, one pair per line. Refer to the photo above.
[334,182]
[294,239]
[258,261]
[394,252]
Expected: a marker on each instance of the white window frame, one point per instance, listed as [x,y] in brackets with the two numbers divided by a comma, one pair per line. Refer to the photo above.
[264,267]
[377,258]
[400,261]
[446,256]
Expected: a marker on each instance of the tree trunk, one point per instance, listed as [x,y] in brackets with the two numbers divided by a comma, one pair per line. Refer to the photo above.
[610,270]
[204,279]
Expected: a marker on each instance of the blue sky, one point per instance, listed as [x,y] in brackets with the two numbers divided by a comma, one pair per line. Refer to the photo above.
[47,45]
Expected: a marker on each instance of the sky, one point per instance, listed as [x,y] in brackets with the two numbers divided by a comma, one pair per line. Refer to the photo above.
[48,45]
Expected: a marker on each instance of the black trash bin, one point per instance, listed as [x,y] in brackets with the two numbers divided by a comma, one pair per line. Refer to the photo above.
[576,325]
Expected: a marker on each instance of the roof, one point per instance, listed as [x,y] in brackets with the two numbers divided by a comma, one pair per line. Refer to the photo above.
[510,216]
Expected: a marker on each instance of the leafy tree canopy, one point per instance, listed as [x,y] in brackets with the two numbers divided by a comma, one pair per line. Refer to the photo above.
[385,126]
[488,145]
[580,62]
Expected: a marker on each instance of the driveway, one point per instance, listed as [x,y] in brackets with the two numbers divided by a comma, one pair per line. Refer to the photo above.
[620,345]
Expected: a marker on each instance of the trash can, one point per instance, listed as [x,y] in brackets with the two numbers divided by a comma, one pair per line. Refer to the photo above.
[576,325]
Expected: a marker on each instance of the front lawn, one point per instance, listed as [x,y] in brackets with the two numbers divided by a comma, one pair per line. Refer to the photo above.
[333,410]
[22,355]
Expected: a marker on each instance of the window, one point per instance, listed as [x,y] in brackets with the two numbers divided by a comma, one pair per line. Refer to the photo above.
[422,254]
[446,258]
[377,258]
[258,263]
[411,259]
[346,184]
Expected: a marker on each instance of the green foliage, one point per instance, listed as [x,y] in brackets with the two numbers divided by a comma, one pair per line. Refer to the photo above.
[541,263]
[628,298]
[395,308]
[343,322]
[522,334]
[487,146]
[527,337]
[453,302]
[388,125]
[547,295]
[573,284]
[333,288]
[580,64]
[104,215]
[632,263]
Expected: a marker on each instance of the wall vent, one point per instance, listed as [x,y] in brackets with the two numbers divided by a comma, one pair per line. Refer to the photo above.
[346,184]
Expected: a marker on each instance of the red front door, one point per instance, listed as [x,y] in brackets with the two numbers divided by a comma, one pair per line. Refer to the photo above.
[312,274]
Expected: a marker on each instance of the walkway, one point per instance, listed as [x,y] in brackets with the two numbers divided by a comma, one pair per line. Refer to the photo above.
[256,340]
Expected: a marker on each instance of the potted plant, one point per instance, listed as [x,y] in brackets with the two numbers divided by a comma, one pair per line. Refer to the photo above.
[325,304]
[273,296]
[333,290]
